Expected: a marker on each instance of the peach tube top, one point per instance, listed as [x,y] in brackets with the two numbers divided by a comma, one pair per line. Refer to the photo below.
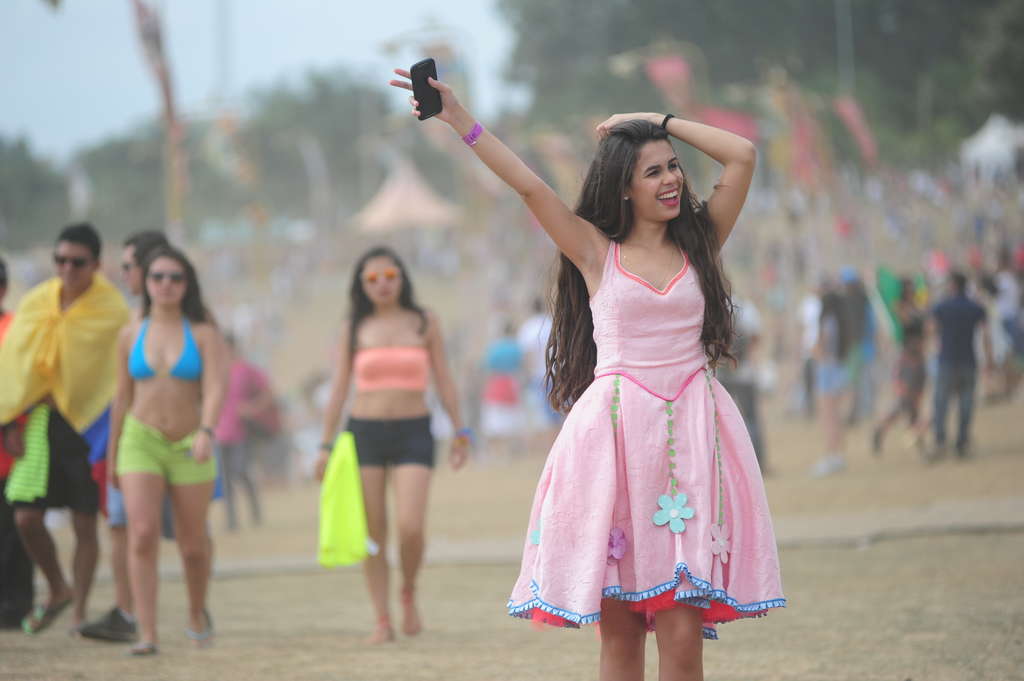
[391,368]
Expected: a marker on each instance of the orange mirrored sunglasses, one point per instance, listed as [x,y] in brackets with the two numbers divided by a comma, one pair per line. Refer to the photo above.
[390,274]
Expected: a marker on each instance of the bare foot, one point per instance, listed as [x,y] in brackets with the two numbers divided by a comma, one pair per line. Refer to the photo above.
[411,624]
[382,634]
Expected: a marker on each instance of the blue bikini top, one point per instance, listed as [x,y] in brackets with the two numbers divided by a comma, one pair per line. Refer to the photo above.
[188,368]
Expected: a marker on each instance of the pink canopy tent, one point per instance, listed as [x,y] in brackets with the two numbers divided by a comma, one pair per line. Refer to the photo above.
[405,201]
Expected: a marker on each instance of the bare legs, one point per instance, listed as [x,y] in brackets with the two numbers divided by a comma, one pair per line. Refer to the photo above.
[143,499]
[39,545]
[412,486]
[623,633]
[374,480]
[119,568]
[143,496]
[191,503]
[679,633]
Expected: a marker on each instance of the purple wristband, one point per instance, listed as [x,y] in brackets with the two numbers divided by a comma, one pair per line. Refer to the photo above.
[474,135]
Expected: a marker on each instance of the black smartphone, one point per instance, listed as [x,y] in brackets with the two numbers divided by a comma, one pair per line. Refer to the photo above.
[428,98]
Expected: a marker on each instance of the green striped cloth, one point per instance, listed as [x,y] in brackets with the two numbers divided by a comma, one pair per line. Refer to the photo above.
[30,473]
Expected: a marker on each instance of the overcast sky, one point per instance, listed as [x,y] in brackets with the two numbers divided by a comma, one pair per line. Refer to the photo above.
[74,76]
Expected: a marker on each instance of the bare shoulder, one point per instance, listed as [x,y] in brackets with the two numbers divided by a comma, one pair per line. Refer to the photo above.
[433,324]
[129,331]
[206,332]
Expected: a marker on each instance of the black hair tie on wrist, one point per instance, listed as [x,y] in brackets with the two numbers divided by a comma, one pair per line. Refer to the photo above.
[664,121]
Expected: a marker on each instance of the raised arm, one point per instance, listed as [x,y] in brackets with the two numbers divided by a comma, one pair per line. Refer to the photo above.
[339,395]
[737,155]
[123,396]
[580,241]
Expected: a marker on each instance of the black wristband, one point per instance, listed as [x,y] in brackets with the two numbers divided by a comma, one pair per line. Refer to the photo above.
[206,429]
[664,121]
[326,447]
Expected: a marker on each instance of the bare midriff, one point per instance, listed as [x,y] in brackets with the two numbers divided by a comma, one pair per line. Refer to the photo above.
[170,405]
[389,404]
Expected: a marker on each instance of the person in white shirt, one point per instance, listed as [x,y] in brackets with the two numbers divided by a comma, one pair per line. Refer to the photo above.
[810,316]
[1008,311]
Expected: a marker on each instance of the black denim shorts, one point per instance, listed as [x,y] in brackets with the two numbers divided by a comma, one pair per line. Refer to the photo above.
[393,442]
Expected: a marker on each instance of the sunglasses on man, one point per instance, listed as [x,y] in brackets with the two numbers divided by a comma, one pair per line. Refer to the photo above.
[75,262]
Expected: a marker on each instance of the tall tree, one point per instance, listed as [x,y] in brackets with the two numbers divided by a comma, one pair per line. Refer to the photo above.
[33,196]
[910,55]
[1000,56]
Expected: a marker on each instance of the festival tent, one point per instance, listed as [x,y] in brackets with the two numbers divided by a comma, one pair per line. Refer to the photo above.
[405,201]
[992,151]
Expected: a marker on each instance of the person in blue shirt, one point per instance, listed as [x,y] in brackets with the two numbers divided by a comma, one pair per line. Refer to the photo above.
[955,321]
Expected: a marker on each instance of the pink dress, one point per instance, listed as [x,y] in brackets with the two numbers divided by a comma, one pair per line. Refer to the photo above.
[651,493]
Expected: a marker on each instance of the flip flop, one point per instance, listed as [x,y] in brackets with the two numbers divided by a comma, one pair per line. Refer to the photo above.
[143,649]
[43,616]
[204,638]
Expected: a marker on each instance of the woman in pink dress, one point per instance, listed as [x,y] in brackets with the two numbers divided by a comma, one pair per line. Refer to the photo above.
[650,512]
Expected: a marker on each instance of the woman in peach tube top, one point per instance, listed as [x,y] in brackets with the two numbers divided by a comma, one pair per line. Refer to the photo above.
[389,347]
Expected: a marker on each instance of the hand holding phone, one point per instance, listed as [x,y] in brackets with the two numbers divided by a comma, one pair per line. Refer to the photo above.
[429,98]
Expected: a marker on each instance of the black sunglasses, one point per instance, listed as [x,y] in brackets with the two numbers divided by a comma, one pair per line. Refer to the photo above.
[173,277]
[61,260]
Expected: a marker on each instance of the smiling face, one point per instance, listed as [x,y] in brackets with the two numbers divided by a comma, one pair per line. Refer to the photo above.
[382,280]
[656,188]
[166,282]
[75,266]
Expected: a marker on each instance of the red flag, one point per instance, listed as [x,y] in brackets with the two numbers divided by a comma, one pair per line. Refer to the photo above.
[852,116]
[740,123]
[672,76]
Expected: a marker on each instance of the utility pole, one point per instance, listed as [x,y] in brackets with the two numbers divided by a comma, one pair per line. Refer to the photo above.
[844,47]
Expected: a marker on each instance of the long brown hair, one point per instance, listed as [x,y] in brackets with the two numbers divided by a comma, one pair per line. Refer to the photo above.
[571,353]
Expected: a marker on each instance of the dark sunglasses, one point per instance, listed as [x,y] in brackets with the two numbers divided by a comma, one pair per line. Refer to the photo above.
[61,260]
[173,277]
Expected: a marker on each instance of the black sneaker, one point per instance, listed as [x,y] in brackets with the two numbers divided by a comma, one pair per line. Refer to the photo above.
[111,627]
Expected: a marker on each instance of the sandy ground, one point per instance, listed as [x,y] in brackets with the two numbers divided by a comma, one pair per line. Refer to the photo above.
[944,601]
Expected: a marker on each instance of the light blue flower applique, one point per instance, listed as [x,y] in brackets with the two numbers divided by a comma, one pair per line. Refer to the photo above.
[535,535]
[673,512]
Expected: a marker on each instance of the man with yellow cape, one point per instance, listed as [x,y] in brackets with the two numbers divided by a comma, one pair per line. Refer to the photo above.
[57,365]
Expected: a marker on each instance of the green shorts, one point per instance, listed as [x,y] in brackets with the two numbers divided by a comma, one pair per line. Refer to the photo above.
[144,449]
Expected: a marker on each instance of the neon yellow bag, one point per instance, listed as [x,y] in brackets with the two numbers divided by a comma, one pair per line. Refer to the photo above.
[344,539]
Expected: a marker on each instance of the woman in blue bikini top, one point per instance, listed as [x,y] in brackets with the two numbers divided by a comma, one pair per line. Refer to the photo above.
[189,366]
[171,384]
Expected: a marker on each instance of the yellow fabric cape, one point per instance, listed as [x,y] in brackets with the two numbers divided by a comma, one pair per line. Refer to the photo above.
[70,355]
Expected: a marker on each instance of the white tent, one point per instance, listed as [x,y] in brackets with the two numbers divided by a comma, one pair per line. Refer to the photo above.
[405,201]
[992,150]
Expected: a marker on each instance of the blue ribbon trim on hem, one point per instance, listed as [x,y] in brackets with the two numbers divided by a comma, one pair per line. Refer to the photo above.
[700,597]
